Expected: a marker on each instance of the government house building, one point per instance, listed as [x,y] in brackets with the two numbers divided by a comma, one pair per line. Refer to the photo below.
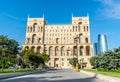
[60,41]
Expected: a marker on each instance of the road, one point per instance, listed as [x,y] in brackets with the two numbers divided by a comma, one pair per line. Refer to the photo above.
[59,75]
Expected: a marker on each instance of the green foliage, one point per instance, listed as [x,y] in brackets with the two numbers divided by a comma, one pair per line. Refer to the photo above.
[95,61]
[8,47]
[8,50]
[45,57]
[109,60]
[29,57]
[6,62]
[73,61]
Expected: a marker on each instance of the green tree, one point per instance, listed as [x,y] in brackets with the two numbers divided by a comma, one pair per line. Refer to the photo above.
[109,60]
[34,58]
[73,61]
[8,50]
[95,62]
[45,57]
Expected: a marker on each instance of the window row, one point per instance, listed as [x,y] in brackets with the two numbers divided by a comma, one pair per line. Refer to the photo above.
[79,29]
[35,28]
[63,51]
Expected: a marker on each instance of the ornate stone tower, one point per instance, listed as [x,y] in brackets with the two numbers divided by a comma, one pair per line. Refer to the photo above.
[35,34]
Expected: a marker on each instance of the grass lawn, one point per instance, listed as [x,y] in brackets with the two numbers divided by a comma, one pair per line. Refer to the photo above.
[6,71]
[109,73]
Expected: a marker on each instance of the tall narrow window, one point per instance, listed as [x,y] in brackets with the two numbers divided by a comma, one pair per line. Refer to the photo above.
[57,40]
[63,51]
[28,29]
[81,50]
[51,50]
[87,51]
[73,28]
[76,28]
[41,29]
[34,39]
[33,48]
[80,38]
[56,51]
[34,27]
[84,28]
[79,28]
[28,41]
[38,49]
[87,28]
[39,40]
[86,40]
[75,50]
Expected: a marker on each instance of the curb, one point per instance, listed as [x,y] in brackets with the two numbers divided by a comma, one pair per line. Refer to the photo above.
[6,76]
[102,77]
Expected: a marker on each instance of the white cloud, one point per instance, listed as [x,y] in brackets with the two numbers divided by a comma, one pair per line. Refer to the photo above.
[106,2]
[12,16]
[111,9]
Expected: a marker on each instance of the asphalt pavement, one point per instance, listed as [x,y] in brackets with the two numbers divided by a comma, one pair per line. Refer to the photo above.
[57,75]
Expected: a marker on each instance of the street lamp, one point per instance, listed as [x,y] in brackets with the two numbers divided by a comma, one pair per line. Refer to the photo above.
[77,67]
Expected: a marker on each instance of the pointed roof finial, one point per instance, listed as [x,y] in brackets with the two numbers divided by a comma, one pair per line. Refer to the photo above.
[72,15]
[28,16]
[87,14]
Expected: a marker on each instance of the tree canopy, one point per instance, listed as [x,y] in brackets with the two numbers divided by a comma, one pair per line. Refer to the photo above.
[9,48]
[109,60]
[30,57]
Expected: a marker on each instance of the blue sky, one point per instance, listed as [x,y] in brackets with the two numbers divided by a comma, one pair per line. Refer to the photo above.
[104,16]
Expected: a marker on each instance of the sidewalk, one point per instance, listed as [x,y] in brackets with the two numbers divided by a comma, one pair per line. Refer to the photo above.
[102,77]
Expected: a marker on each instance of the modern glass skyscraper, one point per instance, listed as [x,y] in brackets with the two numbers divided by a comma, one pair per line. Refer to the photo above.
[95,45]
[102,43]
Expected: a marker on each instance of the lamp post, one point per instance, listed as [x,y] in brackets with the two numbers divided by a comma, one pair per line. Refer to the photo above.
[77,67]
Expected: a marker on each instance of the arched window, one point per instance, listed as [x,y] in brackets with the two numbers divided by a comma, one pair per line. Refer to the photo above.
[51,50]
[80,38]
[79,28]
[87,51]
[33,48]
[73,28]
[63,51]
[35,27]
[39,40]
[34,39]
[38,49]
[38,29]
[80,23]
[28,40]
[84,28]
[28,29]
[86,40]
[76,28]
[87,28]
[81,50]
[41,29]
[75,50]
[26,48]
[56,51]
[68,52]
[57,40]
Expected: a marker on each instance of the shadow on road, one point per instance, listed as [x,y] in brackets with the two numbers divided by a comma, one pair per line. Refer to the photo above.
[50,78]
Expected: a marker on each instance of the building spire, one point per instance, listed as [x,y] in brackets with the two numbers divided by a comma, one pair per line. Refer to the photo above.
[87,14]
[72,15]
[28,16]
[43,15]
